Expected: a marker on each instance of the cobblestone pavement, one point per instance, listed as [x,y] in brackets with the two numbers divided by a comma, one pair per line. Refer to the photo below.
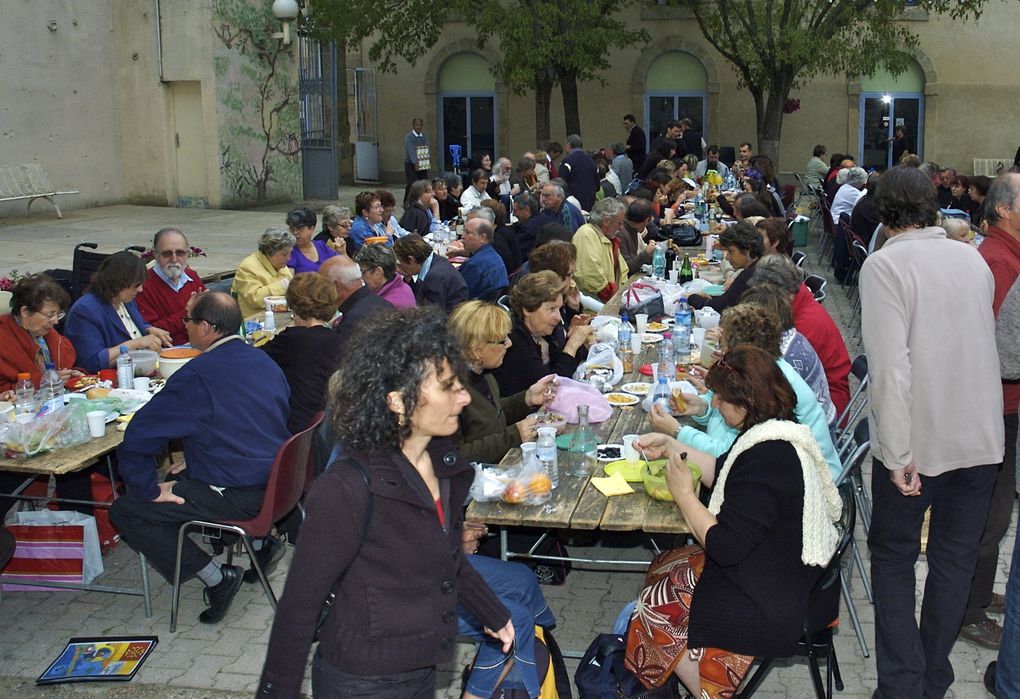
[225,660]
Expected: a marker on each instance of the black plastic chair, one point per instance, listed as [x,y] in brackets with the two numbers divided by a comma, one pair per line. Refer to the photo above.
[84,264]
[817,286]
[816,643]
[798,258]
[727,155]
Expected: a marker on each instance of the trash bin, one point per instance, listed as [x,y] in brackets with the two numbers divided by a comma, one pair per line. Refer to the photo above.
[799,230]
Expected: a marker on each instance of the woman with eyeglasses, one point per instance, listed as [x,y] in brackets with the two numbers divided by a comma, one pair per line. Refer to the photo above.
[308,254]
[492,424]
[106,318]
[28,336]
[336,228]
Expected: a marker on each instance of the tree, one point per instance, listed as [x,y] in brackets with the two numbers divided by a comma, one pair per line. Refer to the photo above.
[777,45]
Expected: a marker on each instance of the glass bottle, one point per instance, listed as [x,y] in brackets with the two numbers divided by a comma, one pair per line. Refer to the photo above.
[583,446]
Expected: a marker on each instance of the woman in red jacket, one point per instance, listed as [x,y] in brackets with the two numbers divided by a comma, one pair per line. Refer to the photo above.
[28,339]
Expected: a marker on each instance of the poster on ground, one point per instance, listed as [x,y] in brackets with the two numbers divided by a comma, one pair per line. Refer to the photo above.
[99,659]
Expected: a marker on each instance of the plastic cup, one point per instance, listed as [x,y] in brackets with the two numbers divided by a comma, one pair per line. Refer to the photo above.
[141,383]
[97,422]
[24,418]
[108,375]
[629,452]
[635,345]
[674,276]
[642,323]
[6,411]
[669,214]
[699,335]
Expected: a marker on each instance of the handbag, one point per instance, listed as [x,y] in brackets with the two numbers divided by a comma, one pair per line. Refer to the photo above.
[55,546]
[643,298]
[602,675]
[327,606]
[682,234]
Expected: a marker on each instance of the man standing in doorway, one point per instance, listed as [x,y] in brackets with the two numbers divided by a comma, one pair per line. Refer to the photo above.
[417,156]
[637,144]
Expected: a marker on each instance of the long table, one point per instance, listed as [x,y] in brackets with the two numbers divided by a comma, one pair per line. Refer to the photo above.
[70,460]
[575,502]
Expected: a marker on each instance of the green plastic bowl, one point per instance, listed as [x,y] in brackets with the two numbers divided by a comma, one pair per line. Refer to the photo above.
[654,479]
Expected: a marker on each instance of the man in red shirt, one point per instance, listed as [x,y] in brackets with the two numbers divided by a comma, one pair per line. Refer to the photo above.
[169,284]
[1001,250]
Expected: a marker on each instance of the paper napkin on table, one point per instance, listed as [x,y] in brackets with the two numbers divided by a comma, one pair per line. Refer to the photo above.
[612,485]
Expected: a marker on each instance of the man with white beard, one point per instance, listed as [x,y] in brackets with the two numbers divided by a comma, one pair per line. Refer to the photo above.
[169,284]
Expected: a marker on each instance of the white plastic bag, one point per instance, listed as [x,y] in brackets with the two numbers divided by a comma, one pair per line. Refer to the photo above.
[92,557]
[601,355]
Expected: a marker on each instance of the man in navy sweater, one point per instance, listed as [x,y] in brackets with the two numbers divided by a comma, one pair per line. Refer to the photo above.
[229,406]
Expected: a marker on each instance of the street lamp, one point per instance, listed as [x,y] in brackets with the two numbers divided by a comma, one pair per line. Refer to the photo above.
[286,11]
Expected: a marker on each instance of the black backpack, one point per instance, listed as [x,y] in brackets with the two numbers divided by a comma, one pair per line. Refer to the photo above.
[520,540]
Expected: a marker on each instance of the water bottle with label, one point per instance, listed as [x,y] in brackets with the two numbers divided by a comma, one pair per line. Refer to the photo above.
[125,369]
[667,364]
[662,396]
[659,262]
[682,332]
[625,331]
[24,395]
[545,448]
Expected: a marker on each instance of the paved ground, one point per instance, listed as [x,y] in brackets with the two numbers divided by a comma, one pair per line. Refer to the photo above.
[224,661]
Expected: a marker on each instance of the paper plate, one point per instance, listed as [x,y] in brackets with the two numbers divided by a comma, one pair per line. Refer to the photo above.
[650,338]
[621,400]
[655,326]
[606,453]
[637,388]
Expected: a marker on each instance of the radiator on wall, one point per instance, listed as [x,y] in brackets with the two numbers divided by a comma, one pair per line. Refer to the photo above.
[992,167]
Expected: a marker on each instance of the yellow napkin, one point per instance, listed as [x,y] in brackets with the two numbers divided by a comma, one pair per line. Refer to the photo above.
[613,485]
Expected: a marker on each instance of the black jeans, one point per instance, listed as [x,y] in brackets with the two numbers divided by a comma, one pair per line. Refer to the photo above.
[151,527]
[999,512]
[329,682]
[913,663]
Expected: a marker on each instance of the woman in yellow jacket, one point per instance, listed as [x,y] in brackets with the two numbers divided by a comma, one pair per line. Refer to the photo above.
[264,273]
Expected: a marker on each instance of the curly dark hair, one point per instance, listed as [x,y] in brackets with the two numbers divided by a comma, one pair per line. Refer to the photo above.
[746,376]
[743,237]
[33,291]
[121,270]
[906,198]
[751,324]
[414,342]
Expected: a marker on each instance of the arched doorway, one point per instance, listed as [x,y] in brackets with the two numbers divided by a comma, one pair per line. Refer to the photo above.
[467,107]
[676,86]
[890,104]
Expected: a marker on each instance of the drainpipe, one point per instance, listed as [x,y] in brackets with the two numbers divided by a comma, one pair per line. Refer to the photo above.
[159,41]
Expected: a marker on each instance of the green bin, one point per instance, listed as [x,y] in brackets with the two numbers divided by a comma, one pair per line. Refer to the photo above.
[800,233]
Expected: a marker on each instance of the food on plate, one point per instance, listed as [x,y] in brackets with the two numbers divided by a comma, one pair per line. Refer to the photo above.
[180,353]
[609,452]
[638,388]
[655,326]
[655,479]
[620,399]
[80,383]
[651,338]
[278,304]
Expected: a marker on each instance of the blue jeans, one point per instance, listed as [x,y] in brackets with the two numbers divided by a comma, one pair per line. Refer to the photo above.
[1007,671]
[516,587]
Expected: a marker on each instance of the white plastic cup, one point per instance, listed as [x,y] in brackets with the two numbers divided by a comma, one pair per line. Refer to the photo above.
[24,418]
[635,345]
[629,452]
[6,411]
[699,335]
[141,383]
[668,214]
[642,323]
[97,422]
[674,276]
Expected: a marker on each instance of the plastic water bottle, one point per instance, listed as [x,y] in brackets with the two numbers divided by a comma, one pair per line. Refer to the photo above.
[50,385]
[682,332]
[667,364]
[545,448]
[583,448]
[24,394]
[659,262]
[625,331]
[269,322]
[125,369]
[662,396]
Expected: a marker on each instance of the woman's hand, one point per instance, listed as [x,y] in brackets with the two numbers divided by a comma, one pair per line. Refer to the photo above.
[505,635]
[663,422]
[528,429]
[572,297]
[656,446]
[7,396]
[714,335]
[696,406]
[578,335]
[434,206]
[470,535]
[696,376]
[543,391]
[164,337]
[679,479]
[66,374]
[149,342]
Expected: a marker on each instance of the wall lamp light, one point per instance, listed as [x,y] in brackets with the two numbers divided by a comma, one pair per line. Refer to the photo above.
[286,11]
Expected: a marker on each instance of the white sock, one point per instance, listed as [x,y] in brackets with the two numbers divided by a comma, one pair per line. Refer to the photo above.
[211,575]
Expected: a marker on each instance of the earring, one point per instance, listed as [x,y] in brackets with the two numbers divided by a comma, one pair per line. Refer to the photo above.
[401,420]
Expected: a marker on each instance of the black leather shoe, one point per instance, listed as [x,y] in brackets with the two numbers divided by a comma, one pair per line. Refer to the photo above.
[220,596]
[267,556]
[990,680]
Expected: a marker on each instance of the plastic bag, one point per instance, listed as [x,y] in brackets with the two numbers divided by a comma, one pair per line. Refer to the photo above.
[600,356]
[571,394]
[642,297]
[527,484]
[61,428]
[489,483]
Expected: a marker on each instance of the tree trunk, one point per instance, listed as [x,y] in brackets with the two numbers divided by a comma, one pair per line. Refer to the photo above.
[543,98]
[344,148]
[571,114]
[769,114]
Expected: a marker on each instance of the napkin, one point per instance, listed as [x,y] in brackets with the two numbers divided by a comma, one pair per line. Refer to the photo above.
[612,485]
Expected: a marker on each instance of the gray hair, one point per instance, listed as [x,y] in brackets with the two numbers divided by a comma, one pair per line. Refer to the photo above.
[619,149]
[1003,192]
[275,239]
[605,209]
[343,271]
[332,215]
[954,225]
[930,169]
[527,200]
[574,141]
[484,228]
[856,176]
[166,231]
[779,270]
[378,255]
[481,212]
[560,192]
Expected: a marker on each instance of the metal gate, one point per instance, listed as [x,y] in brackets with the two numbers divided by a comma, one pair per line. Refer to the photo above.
[366,125]
[318,91]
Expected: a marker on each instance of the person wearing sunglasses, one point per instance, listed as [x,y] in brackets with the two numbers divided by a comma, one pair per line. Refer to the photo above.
[169,283]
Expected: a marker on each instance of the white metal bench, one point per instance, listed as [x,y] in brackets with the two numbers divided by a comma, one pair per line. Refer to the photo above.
[28,182]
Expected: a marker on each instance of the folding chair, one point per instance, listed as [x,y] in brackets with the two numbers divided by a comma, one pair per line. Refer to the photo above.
[852,477]
[798,258]
[816,284]
[286,484]
[816,643]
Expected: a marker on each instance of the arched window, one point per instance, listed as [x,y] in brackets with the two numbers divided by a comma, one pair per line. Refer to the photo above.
[675,87]
[892,116]
[467,107]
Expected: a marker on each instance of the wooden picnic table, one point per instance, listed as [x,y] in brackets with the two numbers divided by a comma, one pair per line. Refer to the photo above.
[69,459]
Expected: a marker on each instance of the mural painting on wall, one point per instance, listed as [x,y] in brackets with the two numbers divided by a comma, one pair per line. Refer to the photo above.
[257,104]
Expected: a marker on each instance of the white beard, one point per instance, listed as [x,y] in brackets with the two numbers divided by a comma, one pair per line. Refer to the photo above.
[173,271]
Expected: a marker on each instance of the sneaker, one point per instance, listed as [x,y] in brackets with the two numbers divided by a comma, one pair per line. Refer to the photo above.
[986,633]
[267,556]
[997,605]
[219,597]
[990,680]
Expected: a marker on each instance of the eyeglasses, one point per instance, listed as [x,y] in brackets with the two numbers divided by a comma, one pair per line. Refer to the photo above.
[723,364]
[52,317]
[196,319]
[169,254]
[499,342]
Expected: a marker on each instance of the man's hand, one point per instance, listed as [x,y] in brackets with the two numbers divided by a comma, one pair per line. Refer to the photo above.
[907,480]
[505,634]
[166,494]
[177,467]
[471,534]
